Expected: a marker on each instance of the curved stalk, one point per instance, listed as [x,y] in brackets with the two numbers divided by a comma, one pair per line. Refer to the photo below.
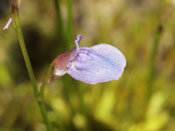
[40,101]
[46,78]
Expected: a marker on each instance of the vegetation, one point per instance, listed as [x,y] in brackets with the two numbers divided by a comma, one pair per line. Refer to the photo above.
[141,100]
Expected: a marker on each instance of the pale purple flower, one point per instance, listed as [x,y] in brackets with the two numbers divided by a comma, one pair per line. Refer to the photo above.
[99,63]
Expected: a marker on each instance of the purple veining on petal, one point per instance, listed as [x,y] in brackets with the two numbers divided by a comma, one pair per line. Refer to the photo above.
[83,55]
[100,63]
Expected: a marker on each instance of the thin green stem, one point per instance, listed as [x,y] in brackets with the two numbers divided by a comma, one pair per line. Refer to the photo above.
[68,93]
[44,115]
[46,78]
[15,16]
[153,59]
[69,24]
[59,17]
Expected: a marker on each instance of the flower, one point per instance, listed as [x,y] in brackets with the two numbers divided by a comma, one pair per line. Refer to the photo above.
[99,63]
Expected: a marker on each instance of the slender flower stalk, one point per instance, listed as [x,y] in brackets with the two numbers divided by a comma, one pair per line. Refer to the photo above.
[39,98]
[46,78]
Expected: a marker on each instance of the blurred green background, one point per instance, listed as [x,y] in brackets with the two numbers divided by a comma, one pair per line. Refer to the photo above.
[143,99]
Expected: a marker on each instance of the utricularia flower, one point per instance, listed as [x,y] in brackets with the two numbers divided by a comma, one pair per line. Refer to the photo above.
[99,63]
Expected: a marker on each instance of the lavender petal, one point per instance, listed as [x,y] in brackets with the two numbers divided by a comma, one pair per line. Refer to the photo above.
[100,63]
